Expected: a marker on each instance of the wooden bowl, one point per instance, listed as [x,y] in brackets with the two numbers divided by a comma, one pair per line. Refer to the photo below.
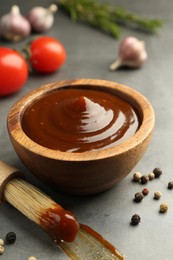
[86,172]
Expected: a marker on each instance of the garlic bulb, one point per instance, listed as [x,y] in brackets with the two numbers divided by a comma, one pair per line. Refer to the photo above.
[14,26]
[42,19]
[132,53]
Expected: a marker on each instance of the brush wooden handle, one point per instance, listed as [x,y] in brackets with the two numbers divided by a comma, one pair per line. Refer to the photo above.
[6,174]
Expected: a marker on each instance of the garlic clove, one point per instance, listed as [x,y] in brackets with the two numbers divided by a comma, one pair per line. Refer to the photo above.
[14,26]
[42,19]
[132,53]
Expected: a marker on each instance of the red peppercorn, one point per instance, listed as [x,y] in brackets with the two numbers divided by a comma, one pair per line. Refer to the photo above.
[145,191]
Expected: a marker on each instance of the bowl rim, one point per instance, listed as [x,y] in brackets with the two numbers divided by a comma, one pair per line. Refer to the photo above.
[134,97]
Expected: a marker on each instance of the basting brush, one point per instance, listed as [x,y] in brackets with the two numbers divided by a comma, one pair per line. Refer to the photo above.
[78,241]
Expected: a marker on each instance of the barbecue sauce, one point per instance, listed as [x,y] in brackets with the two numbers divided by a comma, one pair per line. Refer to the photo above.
[60,224]
[79,120]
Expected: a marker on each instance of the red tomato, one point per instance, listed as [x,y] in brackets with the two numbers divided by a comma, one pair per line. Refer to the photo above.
[47,54]
[13,71]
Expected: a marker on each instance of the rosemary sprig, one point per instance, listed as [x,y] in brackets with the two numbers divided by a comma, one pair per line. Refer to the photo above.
[105,17]
[129,19]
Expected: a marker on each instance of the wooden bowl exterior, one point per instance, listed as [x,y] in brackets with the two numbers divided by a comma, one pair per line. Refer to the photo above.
[87,172]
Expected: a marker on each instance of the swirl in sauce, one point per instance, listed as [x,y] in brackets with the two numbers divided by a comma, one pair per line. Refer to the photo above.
[79,120]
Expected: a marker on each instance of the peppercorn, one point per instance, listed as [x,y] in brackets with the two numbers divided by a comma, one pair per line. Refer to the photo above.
[151,176]
[157,172]
[170,185]
[1,250]
[137,176]
[135,219]
[138,197]
[145,191]
[32,258]
[157,195]
[163,207]
[10,238]
[144,179]
[1,242]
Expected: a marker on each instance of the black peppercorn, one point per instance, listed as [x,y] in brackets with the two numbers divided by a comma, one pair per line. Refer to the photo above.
[157,172]
[144,179]
[170,185]
[138,197]
[135,219]
[10,238]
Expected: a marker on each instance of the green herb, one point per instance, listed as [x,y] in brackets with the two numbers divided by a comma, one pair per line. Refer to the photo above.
[105,17]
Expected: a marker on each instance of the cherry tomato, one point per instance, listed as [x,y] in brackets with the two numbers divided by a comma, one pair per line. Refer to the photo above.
[47,54]
[13,71]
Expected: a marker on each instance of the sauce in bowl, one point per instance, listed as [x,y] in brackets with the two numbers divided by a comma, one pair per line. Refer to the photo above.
[79,120]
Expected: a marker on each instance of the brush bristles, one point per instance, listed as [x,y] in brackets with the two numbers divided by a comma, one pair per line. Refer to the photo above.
[27,199]
[32,203]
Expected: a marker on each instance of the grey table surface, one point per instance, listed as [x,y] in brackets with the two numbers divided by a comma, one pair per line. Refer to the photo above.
[89,53]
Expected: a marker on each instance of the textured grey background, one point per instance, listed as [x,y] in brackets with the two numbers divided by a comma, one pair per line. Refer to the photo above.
[89,54]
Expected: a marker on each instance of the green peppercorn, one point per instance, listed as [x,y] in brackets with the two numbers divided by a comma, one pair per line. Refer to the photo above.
[170,185]
[157,172]
[10,238]
[138,197]
[144,179]
[135,219]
